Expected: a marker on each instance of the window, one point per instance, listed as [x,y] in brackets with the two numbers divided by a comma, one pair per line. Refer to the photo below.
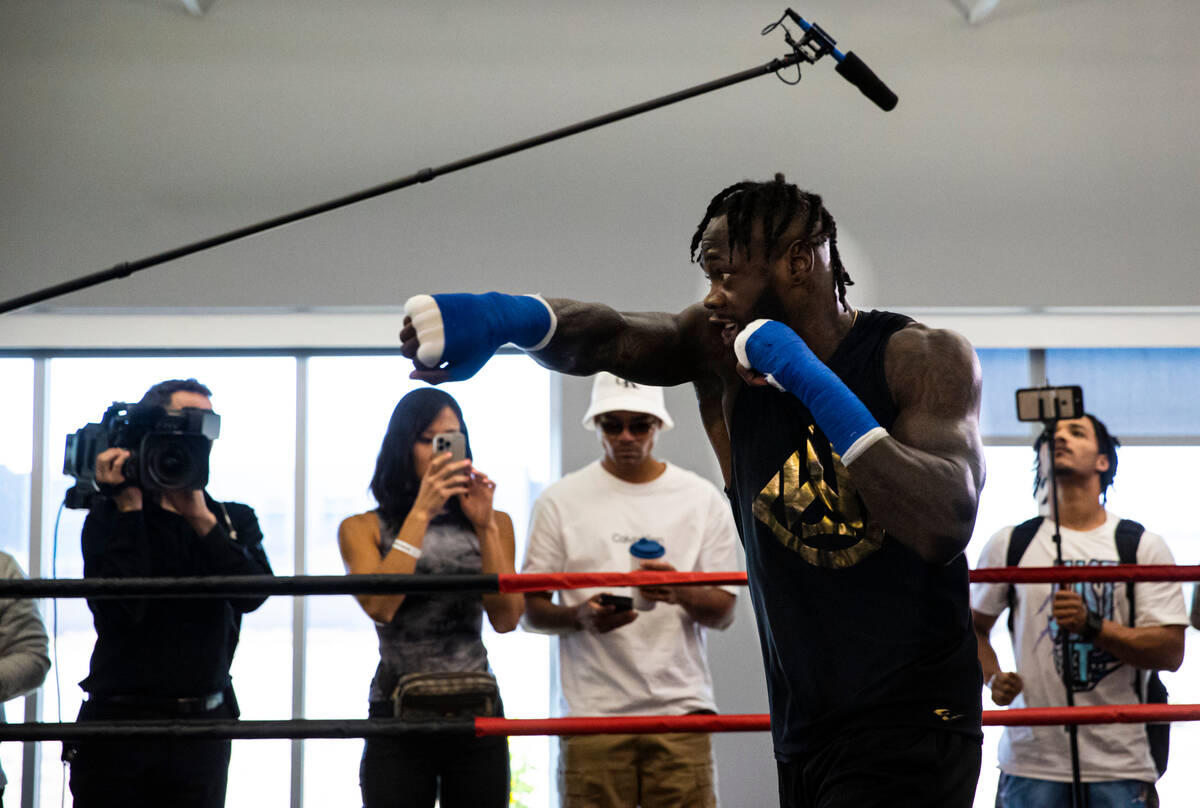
[1135,391]
[1005,370]
[251,462]
[351,401]
[1139,394]
[348,402]
[340,404]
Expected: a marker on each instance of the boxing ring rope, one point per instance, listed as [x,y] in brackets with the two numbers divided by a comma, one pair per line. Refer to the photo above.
[581,725]
[1112,572]
[256,585]
[251,585]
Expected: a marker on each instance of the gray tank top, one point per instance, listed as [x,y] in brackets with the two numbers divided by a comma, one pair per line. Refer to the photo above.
[433,632]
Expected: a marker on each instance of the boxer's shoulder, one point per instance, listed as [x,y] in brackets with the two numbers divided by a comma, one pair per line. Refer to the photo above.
[933,373]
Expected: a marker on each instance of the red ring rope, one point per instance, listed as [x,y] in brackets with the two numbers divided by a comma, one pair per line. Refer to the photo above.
[1111,572]
[543,582]
[758,722]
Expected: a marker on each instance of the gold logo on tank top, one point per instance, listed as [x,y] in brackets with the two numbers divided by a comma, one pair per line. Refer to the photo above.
[815,514]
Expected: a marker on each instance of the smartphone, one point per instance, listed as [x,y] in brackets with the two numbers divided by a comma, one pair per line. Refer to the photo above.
[1049,403]
[453,442]
[622,603]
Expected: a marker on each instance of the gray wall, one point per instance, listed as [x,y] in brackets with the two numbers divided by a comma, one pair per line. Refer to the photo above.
[1045,157]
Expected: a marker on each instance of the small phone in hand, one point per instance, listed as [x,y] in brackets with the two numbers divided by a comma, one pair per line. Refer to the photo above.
[621,603]
[453,442]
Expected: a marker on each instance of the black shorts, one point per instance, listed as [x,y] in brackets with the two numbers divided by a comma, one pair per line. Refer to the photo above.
[874,768]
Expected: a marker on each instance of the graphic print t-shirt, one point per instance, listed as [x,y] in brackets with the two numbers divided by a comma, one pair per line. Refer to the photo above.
[856,630]
[1106,751]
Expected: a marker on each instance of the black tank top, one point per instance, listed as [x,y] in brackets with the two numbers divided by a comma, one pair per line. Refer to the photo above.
[856,630]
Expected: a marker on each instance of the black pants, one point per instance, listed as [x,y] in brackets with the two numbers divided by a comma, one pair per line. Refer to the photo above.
[880,768]
[156,772]
[413,772]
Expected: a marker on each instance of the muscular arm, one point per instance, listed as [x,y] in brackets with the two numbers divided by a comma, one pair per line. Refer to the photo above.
[645,347]
[649,348]
[922,483]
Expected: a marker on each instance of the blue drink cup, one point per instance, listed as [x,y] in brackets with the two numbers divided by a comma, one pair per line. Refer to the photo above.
[643,550]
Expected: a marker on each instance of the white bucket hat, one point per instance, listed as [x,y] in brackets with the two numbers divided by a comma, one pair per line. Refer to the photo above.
[611,394]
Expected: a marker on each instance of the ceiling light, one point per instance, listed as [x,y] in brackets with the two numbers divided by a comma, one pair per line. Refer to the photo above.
[197,7]
[975,10]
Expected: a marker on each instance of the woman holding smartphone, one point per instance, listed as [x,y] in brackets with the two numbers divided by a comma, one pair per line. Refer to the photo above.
[434,516]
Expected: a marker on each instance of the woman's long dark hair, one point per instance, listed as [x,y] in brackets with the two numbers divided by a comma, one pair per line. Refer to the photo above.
[395,482]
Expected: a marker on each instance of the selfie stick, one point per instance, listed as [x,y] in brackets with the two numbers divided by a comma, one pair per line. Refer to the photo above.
[1079,796]
[812,46]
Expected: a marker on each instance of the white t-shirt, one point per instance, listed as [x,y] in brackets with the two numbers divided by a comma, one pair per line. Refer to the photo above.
[1106,751]
[585,523]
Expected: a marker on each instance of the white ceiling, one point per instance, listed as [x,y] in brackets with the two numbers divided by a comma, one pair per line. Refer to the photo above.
[1044,157]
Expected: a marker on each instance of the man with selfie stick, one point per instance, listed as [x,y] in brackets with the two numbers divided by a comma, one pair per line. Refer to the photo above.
[1090,644]
[616,660]
[162,659]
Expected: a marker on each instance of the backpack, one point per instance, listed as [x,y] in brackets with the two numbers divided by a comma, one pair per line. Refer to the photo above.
[1128,535]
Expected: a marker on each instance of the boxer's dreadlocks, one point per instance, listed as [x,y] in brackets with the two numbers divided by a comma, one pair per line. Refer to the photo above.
[776,204]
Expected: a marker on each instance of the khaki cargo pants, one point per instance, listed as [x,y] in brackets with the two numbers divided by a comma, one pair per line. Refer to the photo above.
[669,770]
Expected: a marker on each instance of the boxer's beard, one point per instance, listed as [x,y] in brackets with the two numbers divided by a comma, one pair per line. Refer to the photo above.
[767,307]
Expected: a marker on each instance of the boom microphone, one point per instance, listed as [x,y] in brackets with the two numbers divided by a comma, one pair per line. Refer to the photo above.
[816,43]
[855,71]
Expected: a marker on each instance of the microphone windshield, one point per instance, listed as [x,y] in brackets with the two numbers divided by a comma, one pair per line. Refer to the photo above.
[855,71]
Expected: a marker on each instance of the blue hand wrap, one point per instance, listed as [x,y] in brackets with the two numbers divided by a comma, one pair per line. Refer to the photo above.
[771,348]
[477,325]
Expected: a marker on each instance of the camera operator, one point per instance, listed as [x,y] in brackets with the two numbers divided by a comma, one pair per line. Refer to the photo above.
[165,658]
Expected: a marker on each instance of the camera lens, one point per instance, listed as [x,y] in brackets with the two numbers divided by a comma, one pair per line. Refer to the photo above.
[175,462]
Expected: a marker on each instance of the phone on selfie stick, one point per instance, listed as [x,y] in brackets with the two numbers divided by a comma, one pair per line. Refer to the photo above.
[1050,403]
[453,442]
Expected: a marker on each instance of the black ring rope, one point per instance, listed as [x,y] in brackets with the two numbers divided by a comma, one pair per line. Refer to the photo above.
[223,586]
[236,729]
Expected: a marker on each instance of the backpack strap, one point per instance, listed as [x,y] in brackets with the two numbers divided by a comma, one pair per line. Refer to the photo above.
[1128,536]
[1018,543]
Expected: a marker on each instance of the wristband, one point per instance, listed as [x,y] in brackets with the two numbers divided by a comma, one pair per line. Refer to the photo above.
[464,330]
[1091,625]
[773,349]
[406,548]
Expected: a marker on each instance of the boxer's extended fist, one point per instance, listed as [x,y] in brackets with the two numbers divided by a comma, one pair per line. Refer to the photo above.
[450,337]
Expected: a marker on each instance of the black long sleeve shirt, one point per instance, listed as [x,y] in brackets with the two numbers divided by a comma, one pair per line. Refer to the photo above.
[167,647]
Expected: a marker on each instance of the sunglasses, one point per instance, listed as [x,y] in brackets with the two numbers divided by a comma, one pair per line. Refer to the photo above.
[639,427]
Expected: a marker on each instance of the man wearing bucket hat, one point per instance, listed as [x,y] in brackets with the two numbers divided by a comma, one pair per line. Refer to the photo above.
[630,510]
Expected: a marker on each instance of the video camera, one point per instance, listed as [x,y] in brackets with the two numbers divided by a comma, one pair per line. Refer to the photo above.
[168,449]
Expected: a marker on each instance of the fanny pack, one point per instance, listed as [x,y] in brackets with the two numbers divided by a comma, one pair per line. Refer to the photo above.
[424,696]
